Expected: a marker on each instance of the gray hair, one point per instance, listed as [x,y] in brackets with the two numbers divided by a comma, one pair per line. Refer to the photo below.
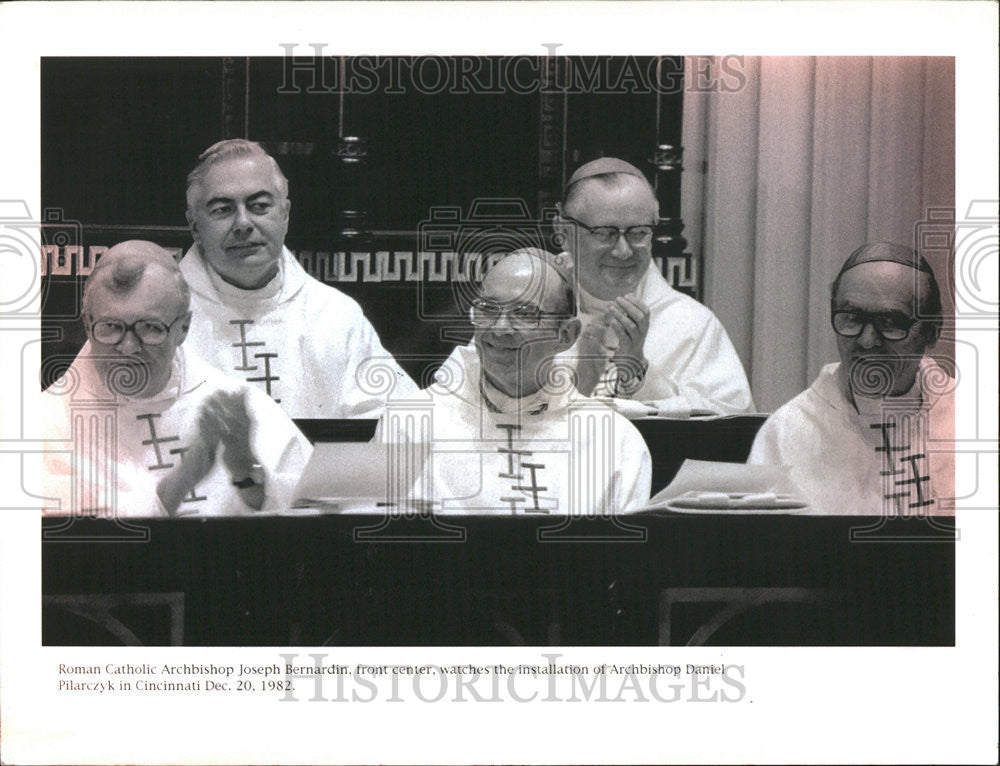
[609,181]
[121,269]
[226,150]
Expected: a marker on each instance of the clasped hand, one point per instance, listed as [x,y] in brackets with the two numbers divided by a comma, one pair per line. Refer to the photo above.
[628,321]
[224,419]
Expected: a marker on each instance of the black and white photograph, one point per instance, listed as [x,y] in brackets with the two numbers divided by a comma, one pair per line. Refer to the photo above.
[393,208]
[364,372]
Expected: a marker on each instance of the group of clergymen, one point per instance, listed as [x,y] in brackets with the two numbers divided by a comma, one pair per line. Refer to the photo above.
[181,402]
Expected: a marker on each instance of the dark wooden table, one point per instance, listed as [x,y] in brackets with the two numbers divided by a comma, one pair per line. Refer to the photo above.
[369,580]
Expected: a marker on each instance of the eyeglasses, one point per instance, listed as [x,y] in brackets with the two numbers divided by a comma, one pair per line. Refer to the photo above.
[150,332]
[608,235]
[521,316]
[890,325]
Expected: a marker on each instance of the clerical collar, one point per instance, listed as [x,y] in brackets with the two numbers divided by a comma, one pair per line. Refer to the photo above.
[497,401]
[269,290]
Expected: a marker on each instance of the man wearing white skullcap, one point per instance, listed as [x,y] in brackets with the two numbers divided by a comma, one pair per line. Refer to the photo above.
[642,340]
[874,433]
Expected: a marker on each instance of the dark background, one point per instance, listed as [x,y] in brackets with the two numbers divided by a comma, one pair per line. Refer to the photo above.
[368,172]
[368,163]
[119,135]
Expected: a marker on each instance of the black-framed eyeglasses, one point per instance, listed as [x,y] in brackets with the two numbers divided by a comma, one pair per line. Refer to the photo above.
[521,316]
[609,235]
[150,332]
[890,325]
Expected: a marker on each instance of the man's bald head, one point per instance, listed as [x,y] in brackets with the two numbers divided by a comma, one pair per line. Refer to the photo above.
[136,310]
[121,268]
[523,317]
[543,277]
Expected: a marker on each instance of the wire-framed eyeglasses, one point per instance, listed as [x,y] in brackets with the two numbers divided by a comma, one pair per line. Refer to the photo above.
[890,325]
[521,316]
[150,332]
[609,235]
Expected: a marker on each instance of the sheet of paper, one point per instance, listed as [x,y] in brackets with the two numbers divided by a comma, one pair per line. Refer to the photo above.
[705,476]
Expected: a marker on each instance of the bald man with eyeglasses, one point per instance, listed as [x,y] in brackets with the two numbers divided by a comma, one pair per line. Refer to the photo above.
[873,435]
[510,434]
[642,341]
[149,430]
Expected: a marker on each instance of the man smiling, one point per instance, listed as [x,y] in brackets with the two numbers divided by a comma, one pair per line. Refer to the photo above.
[153,430]
[510,434]
[873,434]
[257,313]
[641,339]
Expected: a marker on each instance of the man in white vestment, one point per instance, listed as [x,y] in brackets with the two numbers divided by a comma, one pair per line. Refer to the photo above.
[641,340]
[257,313]
[141,428]
[874,433]
[509,432]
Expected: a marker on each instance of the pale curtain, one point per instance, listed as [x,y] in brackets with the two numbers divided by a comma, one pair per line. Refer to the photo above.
[786,174]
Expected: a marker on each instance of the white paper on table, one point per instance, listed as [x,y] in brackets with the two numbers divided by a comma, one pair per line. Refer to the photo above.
[360,477]
[631,409]
[704,476]
[634,410]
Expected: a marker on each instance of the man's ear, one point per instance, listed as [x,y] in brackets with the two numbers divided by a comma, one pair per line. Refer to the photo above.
[569,331]
[185,323]
[562,230]
[193,226]
[931,331]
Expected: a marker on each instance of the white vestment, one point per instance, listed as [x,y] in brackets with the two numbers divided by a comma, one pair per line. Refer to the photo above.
[108,453]
[692,363]
[305,344]
[548,453]
[888,456]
